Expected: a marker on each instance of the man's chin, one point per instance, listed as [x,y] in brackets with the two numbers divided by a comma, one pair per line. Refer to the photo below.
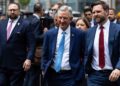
[13,18]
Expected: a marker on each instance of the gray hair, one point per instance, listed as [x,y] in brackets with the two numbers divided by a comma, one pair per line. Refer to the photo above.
[65,8]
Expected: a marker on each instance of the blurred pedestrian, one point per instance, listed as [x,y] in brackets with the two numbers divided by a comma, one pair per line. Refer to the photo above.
[54,9]
[82,23]
[2,17]
[112,15]
[34,75]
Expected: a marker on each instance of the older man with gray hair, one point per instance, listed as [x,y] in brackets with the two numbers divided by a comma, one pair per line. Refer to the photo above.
[63,50]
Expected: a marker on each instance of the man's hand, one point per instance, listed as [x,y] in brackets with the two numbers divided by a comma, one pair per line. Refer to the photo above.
[114,75]
[27,65]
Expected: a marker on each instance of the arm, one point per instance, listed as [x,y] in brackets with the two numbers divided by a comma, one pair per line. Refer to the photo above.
[30,46]
[115,74]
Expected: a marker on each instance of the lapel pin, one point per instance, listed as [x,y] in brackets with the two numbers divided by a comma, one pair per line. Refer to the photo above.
[72,35]
[18,24]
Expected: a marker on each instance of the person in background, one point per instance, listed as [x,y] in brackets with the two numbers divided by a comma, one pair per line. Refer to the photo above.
[82,23]
[17,46]
[87,13]
[2,16]
[102,56]
[54,9]
[55,24]
[118,16]
[112,15]
[61,60]
[34,74]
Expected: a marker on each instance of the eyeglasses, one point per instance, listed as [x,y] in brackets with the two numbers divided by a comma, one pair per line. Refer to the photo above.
[53,9]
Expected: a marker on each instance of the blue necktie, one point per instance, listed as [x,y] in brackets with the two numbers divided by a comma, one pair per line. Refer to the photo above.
[59,56]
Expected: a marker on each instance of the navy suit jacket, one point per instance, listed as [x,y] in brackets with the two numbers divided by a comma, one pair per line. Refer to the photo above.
[76,51]
[37,29]
[20,45]
[113,44]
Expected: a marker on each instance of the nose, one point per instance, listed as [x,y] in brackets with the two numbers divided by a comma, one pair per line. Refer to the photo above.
[12,11]
[62,19]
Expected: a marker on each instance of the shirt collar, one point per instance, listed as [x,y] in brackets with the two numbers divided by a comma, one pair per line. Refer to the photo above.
[36,16]
[106,24]
[67,30]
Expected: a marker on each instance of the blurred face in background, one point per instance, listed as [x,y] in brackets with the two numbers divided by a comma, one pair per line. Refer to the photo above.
[88,15]
[111,15]
[13,11]
[54,10]
[64,19]
[80,24]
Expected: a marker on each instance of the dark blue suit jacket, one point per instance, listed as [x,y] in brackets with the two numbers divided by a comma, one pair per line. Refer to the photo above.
[37,29]
[113,44]
[76,51]
[18,47]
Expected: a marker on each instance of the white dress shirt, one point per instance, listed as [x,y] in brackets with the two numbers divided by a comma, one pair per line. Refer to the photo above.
[95,61]
[13,24]
[65,65]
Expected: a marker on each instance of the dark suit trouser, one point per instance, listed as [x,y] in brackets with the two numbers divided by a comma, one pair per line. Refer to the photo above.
[100,78]
[63,78]
[11,77]
[32,77]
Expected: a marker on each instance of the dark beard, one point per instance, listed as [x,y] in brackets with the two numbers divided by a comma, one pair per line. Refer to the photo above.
[102,19]
[13,17]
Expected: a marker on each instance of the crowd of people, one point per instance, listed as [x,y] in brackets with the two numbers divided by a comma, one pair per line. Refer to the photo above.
[54,50]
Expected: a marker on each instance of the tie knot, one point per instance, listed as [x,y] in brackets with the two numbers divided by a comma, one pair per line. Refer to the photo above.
[11,21]
[63,32]
[101,27]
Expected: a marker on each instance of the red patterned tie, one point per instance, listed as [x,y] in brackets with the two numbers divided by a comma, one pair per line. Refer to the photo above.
[101,48]
[9,29]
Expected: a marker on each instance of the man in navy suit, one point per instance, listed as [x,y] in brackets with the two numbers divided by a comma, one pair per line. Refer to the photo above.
[33,75]
[71,69]
[17,46]
[102,52]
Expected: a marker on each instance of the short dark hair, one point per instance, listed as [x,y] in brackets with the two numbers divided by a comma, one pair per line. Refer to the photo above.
[37,7]
[102,3]
[113,10]
[87,8]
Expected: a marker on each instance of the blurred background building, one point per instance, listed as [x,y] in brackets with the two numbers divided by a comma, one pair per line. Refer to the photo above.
[77,5]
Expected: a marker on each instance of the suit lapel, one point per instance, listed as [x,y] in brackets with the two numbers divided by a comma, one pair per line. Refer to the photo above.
[72,39]
[111,37]
[92,37]
[54,41]
[15,28]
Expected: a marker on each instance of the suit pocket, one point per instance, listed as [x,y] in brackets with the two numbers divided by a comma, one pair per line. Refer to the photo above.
[18,33]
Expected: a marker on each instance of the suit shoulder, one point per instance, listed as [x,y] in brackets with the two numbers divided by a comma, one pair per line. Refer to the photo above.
[25,21]
[115,26]
[51,31]
[2,21]
[77,30]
